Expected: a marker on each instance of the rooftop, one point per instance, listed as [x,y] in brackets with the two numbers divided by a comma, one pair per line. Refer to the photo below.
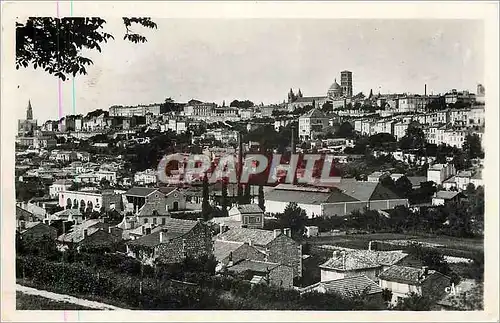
[446,195]
[140,191]
[405,275]
[349,286]
[249,208]
[172,229]
[360,259]
[256,236]
[253,265]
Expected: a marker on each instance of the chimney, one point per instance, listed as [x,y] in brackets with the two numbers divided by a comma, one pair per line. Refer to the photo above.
[335,253]
[199,219]
[109,230]
[85,233]
[161,237]
[148,231]
[276,233]
[287,232]
[143,230]
[425,90]
[425,270]
[250,242]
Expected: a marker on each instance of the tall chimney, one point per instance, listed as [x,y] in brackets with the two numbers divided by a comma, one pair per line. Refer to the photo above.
[276,233]
[85,233]
[425,90]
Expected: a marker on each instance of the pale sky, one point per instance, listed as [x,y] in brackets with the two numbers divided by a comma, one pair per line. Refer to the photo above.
[261,59]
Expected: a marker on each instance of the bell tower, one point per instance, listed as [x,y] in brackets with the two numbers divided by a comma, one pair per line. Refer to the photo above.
[29,111]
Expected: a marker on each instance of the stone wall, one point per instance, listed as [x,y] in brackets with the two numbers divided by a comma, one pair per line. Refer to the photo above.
[281,276]
[196,243]
[284,250]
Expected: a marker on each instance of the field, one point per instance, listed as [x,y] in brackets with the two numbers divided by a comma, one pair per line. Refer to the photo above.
[32,302]
[451,246]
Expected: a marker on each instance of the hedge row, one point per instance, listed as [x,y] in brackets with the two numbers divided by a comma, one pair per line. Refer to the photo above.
[211,292]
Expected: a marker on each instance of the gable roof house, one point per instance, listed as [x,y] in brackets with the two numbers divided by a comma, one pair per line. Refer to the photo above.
[402,280]
[249,215]
[270,273]
[354,262]
[151,205]
[36,230]
[91,234]
[339,200]
[173,242]
[352,286]
[278,247]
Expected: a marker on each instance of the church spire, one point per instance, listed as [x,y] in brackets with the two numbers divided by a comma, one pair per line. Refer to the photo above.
[29,111]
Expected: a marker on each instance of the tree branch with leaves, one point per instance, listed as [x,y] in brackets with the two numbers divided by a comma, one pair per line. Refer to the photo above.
[56,44]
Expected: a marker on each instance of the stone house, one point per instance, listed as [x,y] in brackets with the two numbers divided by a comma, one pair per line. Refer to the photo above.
[270,273]
[36,230]
[228,253]
[352,262]
[92,234]
[173,242]
[277,246]
[349,287]
[249,215]
[402,280]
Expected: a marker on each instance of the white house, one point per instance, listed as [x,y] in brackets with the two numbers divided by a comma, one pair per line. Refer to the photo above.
[59,186]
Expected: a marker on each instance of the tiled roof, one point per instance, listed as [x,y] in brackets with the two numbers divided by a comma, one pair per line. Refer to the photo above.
[447,195]
[450,180]
[140,191]
[362,191]
[258,237]
[34,209]
[404,274]
[297,196]
[349,286]
[336,196]
[174,229]
[148,209]
[314,113]
[249,208]
[66,213]
[167,190]
[222,249]
[253,265]
[360,259]
[416,180]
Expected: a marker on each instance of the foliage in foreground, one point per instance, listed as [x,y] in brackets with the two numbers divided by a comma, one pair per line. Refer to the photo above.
[211,292]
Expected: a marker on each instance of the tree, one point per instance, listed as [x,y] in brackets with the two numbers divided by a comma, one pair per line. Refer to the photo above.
[414,137]
[472,147]
[56,44]
[104,183]
[206,209]
[387,295]
[381,140]
[346,130]
[414,302]
[293,217]
[327,106]
[241,104]
[388,182]
[403,186]
[261,198]
[224,197]
[430,258]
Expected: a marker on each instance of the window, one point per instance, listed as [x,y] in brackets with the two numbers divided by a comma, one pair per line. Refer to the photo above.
[145,220]
[163,221]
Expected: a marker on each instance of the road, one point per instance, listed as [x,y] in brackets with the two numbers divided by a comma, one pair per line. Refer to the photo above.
[66,298]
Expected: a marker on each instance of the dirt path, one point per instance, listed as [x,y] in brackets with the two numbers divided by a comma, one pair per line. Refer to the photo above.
[66,298]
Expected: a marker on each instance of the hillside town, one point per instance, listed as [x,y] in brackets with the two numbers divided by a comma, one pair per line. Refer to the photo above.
[401,227]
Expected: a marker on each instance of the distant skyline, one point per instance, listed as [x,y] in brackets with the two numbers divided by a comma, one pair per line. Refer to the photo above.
[261,59]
